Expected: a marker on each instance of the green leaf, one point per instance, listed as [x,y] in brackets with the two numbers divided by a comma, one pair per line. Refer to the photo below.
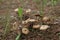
[54,2]
[44,2]
[20,11]
[17,38]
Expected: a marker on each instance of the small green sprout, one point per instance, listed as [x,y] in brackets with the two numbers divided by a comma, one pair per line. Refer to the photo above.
[54,2]
[20,12]
[18,37]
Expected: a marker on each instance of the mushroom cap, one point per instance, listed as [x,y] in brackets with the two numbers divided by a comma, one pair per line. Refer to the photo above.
[44,27]
[36,26]
[25,30]
[46,19]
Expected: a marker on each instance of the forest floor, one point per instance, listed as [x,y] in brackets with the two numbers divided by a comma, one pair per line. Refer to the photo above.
[9,20]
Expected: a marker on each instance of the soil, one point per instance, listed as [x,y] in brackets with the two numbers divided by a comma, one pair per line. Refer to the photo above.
[7,8]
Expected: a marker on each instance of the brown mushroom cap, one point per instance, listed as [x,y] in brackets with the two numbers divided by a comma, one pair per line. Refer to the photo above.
[46,18]
[36,26]
[25,30]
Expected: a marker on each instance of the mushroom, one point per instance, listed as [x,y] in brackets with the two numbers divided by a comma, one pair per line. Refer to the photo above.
[29,20]
[16,10]
[36,26]
[15,26]
[25,30]
[28,10]
[45,19]
[44,27]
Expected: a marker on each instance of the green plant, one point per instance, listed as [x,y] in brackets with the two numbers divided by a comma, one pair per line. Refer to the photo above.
[7,26]
[20,12]
[43,4]
[18,37]
[37,1]
[54,2]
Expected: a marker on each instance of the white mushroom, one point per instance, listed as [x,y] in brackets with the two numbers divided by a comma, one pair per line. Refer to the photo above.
[36,26]
[46,18]
[16,9]
[28,20]
[28,10]
[44,27]
[31,20]
[25,30]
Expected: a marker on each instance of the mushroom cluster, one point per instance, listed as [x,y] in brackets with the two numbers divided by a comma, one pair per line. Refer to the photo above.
[36,20]
[35,24]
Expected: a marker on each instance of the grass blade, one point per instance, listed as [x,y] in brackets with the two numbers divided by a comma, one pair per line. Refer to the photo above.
[20,11]
[7,24]
[18,37]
